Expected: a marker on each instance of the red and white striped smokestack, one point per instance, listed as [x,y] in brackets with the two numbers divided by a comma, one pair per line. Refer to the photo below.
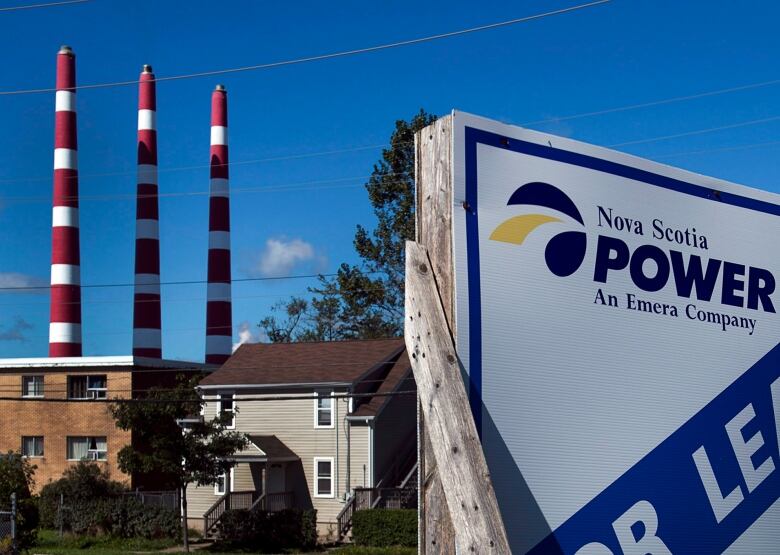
[147,335]
[65,312]
[219,316]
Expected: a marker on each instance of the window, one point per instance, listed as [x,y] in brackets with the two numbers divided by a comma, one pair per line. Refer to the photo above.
[87,387]
[32,446]
[323,477]
[32,386]
[219,485]
[91,448]
[323,410]
[226,408]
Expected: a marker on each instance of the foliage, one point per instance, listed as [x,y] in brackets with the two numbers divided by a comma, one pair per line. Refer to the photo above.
[364,550]
[385,527]
[198,455]
[84,481]
[96,505]
[159,446]
[267,532]
[365,301]
[49,542]
[16,476]
[121,517]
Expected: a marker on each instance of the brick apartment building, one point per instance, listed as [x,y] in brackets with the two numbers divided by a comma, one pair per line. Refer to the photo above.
[55,435]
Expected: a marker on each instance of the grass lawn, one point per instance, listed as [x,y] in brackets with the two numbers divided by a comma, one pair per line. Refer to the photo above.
[49,542]
[356,550]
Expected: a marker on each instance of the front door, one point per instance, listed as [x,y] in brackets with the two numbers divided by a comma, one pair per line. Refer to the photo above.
[275,482]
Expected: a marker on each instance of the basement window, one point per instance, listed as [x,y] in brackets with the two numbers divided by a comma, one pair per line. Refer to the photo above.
[90,448]
[32,446]
[87,387]
[32,386]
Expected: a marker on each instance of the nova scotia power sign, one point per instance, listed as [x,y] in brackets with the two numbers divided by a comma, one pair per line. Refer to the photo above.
[618,323]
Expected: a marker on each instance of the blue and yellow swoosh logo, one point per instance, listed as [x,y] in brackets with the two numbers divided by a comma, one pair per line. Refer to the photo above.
[566,251]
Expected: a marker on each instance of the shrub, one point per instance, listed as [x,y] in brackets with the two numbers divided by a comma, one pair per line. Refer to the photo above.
[94,505]
[385,527]
[16,476]
[268,532]
[84,481]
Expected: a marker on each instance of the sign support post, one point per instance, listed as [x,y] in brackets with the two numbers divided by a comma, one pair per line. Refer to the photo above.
[458,507]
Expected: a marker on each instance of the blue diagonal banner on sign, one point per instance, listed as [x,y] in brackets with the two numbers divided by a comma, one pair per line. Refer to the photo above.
[700,489]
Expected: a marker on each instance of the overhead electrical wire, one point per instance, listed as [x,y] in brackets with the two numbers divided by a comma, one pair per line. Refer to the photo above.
[660,102]
[697,132]
[182,282]
[42,5]
[321,57]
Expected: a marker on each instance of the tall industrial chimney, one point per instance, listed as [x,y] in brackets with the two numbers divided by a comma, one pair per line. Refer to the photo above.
[147,336]
[219,317]
[65,311]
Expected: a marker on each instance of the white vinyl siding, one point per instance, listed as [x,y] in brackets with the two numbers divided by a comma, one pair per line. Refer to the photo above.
[291,422]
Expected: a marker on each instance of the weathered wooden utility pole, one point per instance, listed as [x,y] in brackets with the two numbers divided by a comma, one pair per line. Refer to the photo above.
[458,507]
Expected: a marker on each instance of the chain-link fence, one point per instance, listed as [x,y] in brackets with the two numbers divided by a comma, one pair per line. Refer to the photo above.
[8,521]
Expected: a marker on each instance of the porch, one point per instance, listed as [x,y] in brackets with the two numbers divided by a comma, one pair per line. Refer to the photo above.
[261,479]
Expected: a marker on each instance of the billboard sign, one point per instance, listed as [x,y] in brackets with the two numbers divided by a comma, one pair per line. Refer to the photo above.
[617,319]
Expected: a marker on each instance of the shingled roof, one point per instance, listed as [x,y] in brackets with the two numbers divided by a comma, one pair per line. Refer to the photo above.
[267,364]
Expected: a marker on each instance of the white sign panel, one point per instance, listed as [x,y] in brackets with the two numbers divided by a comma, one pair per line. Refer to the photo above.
[617,322]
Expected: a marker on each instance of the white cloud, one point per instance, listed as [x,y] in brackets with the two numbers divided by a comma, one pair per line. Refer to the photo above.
[14,282]
[245,335]
[281,256]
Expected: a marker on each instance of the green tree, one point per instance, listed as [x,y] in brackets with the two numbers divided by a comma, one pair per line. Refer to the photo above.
[16,477]
[364,301]
[195,453]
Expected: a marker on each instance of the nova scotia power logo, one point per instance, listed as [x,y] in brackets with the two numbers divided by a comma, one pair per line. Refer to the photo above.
[565,251]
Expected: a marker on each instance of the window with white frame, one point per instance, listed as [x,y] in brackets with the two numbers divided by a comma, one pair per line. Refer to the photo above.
[32,386]
[226,409]
[323,409]
[87,387]
[87,448]
[32,446]
[323,477]
[219,485]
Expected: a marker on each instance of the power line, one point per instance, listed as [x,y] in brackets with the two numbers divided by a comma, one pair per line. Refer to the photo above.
[183,282]
[151,401]
[658,102]
[319,184]
[721,149]
[130,300]
[697,132]
[45,5]
[299,156]
[321,57]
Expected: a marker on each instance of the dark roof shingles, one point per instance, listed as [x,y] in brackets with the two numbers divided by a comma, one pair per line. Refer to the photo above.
[302,363]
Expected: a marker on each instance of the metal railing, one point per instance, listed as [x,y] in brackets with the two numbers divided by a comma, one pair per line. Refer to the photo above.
[385,498]
[344,518]
[167,499]
[273,502]
[251,500]
[231,500]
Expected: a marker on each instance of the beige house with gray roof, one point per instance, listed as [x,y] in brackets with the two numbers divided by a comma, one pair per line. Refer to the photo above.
[323,419]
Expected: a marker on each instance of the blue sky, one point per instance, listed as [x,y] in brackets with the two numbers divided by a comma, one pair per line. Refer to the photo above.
[299,215]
